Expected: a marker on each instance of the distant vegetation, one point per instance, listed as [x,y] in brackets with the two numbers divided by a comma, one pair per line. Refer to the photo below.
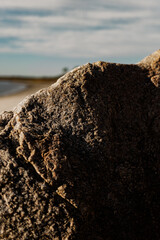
[37,79]
[23,78]
[65,70]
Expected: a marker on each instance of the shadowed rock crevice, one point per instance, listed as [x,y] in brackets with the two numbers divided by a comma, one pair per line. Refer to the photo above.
[85,153]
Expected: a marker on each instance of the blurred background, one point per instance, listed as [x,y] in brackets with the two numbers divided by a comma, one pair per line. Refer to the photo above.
[50,37]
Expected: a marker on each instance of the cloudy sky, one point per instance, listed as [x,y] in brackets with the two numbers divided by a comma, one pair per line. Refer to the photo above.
[40,37]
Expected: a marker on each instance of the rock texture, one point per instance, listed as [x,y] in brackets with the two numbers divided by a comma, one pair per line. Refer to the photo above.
[80,159]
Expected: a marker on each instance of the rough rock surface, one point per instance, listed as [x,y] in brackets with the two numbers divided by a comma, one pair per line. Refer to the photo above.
[80,159]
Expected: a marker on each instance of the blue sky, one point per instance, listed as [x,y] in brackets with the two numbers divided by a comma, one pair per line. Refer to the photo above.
[40,37]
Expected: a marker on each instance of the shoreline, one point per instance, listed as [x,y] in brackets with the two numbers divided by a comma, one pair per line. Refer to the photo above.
[11,88]
[9,102]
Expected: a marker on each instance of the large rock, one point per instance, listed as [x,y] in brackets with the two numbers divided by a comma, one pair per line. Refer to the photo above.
[80,159]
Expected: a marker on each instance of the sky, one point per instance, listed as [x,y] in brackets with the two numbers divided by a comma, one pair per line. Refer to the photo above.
[41,37]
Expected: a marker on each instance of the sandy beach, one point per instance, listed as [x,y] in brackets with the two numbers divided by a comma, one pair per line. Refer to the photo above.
[9,102]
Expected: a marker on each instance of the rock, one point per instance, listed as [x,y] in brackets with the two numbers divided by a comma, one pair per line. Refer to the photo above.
[80,159]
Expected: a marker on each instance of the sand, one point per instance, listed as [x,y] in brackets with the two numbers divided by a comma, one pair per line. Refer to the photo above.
[8,103]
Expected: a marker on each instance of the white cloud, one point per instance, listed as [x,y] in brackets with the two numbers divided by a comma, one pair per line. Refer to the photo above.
[36,4]
[80,29]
